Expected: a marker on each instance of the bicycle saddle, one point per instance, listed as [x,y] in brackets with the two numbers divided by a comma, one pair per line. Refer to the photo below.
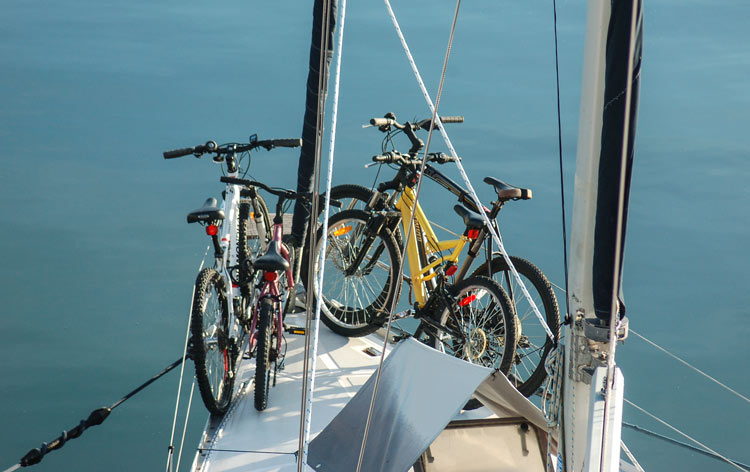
[508,192]
[471,220]
[271,260]
[208,212]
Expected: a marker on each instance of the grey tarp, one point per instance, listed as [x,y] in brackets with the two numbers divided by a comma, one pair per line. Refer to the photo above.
[421,390]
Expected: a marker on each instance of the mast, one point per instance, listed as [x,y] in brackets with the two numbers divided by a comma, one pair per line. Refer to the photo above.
[593,385]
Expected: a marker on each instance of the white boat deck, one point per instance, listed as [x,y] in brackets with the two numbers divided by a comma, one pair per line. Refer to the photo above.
[248,440]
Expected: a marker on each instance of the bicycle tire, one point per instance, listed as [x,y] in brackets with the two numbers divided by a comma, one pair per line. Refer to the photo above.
[356,305]
[263,353]
[351,196]
[488,326]
[212,349]
[248,242]
[528,372]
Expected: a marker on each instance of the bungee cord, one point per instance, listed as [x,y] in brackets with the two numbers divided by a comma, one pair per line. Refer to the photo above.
[95,418]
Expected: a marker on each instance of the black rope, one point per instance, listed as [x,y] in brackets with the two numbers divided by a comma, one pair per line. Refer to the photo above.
[95,418]
[682,444]
[560,148]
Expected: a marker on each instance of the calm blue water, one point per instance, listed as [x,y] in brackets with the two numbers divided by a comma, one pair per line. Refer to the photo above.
[99,263]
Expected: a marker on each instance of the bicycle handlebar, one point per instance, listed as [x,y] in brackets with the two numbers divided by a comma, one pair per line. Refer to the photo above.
[389,120]
[424,124]
[212,147]
[283,193]
[405,159]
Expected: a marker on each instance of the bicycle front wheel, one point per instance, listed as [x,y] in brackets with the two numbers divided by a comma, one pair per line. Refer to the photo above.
[528,372]
[360,280]
[356,197]
[248,240]
[483,326]
[213,350]
[263,354]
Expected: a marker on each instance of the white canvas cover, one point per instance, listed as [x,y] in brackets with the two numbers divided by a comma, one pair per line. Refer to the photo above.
[421,390]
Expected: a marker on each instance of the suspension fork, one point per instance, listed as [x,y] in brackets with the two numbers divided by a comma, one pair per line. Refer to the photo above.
[374,225]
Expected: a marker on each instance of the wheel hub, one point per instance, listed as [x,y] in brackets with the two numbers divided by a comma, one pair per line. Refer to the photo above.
[476,344]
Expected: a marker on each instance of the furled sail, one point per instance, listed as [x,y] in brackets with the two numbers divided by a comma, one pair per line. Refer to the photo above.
[600,165]
[611,155]
[317,79]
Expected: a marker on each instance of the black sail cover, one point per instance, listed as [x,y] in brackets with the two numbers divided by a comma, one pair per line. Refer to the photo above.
[610,159]
[316,82]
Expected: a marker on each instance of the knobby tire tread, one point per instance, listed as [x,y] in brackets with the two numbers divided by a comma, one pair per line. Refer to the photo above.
[382,303]
[546,293]
[263,354]
[499,295]
[208,279]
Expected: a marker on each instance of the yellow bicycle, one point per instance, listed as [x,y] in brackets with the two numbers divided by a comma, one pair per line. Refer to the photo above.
[365,248]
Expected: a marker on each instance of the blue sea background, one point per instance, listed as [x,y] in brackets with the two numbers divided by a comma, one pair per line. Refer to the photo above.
[98,263]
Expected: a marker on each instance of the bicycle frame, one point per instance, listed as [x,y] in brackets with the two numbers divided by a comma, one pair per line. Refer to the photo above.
[270,289]
[426,245]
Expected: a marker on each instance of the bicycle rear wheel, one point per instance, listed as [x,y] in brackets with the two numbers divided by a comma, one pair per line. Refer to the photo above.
[527,372]
[481,312]
[263,353]
[356,300]
[214,352]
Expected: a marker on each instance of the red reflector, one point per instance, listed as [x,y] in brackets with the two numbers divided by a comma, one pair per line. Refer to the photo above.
[467,300]
[473,234]
[451,270]
[212,230]
[270,276]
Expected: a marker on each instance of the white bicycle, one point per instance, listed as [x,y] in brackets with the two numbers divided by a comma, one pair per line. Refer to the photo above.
[224,292]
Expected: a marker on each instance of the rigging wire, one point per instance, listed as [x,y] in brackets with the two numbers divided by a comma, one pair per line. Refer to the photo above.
[630,455]
[170,449]
[729,389]
[411,219]
[689,438]
[322,83]
[184,428]
[560,152]
[678,443]
[495,235]
[614,312]
[307,412]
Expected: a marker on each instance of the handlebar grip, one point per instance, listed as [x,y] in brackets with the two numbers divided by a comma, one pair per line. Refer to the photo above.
[452,119]
[236,181]
[381,121]
[289,143]
[178,153]
[382,158]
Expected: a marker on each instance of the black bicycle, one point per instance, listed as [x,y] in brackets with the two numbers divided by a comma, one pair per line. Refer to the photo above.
[380,209]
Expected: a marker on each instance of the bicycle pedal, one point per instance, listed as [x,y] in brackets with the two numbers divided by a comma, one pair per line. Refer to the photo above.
[294,330]
[403,314]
